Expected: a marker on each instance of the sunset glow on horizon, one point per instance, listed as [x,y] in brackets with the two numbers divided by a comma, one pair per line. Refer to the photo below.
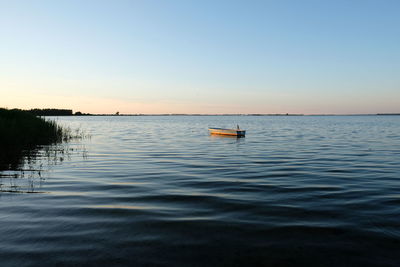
[225,57]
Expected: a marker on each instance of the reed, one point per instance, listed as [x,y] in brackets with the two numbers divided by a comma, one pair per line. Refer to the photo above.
[21,132]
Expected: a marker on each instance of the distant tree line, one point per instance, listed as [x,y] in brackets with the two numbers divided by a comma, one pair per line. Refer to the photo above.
[78,113]
[51,112]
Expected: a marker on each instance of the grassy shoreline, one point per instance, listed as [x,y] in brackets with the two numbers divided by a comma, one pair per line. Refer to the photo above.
[22,132]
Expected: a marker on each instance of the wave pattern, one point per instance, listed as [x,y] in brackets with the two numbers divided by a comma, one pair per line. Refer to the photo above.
[159,191]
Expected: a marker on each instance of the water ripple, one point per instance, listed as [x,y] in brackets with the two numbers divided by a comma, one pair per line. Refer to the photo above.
[158,191]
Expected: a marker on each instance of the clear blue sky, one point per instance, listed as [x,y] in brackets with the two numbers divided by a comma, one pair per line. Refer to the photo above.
[201,56]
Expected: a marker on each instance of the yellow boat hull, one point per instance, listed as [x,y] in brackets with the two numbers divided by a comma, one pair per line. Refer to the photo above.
[230,132]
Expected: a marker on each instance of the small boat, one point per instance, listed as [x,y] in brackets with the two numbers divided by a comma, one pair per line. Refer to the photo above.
[232,132]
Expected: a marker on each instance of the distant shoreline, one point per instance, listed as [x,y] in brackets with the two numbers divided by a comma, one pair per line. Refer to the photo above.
[69,112]
[260,115]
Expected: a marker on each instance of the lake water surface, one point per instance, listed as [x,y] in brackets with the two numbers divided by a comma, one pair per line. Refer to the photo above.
[159,191]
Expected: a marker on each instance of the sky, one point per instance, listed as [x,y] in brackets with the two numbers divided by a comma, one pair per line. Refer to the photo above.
[168,56]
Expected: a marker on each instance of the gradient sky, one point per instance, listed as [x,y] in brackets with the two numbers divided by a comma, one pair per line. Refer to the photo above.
[201,56]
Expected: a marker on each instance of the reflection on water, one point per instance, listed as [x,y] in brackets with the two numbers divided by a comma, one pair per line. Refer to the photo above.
[25,172]
[160,191]
[219,136]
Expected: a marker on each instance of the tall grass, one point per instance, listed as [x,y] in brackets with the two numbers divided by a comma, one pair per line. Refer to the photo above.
[20,128]
[21,131]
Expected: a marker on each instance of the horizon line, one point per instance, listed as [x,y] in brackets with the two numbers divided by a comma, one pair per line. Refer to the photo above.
[235,114]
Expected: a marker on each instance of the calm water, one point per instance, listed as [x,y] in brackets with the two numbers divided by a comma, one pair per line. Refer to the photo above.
[156,191]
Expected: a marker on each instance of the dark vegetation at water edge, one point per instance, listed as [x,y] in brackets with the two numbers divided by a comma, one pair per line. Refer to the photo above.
[21,133]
